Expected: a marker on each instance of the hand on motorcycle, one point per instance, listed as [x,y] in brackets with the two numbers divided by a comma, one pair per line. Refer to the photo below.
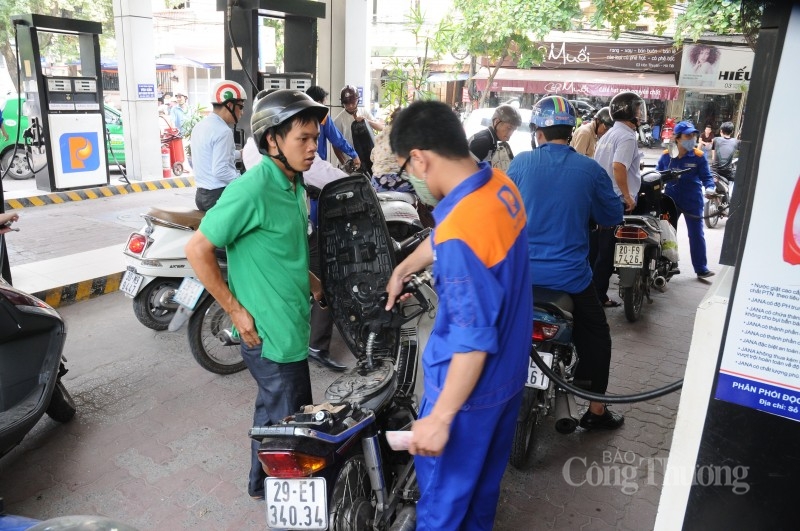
[630,203]
[429,436]
[316,286]
[710,192]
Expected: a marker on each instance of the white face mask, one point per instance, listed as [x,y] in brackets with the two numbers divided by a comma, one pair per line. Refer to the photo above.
[422,190]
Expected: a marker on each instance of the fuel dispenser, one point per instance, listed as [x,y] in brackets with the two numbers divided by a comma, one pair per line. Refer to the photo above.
[65,113]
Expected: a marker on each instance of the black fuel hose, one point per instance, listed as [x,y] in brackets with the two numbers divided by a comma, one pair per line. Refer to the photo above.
[608,399]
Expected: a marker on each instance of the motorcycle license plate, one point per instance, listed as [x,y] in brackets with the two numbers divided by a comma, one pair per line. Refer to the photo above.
[628,255]
[536,378]
[189,293]
[296,503]
[131,282]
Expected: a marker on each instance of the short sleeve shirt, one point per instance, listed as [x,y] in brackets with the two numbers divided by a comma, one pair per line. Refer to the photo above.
[480,268]
[262,222]
[619,145]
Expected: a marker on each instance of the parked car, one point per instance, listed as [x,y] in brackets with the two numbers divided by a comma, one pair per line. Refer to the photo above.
[20,168]
[482,118]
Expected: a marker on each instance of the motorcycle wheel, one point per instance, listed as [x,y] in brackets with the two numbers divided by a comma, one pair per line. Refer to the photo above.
[20,167]
[632,299]
[153,306]
[525,431]
[208,320]
[711,212]
[62,406]
[351,498]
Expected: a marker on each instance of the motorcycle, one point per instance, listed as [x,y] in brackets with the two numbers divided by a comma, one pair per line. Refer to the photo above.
[211,341]
[645,136]
[645,253]
[717,206]
[32,336]
[552,339]
[156,264]
[331,465]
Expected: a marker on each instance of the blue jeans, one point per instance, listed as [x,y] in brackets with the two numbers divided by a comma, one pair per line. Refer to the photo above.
[283,388]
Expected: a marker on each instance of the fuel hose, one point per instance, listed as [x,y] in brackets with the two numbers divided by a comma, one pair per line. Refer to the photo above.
[608,399]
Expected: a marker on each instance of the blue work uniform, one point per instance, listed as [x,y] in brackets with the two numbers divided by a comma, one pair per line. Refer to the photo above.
[687,192]
[480,264]
[563,190]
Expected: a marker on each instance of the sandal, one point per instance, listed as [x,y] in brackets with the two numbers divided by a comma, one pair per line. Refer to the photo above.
[611,304]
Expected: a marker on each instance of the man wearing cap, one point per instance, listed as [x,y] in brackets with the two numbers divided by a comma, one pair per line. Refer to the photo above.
[214,152]
[687,192]
[176,112]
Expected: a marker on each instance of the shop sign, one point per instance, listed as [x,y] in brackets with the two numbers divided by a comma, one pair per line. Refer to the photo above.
[603,90]
[618,56]
[716,68]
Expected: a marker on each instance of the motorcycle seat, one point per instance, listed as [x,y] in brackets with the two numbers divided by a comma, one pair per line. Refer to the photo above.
[553,300]
[176,216]
[397,196]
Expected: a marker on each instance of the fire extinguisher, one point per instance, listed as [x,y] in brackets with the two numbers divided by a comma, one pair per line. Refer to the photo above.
[166,167]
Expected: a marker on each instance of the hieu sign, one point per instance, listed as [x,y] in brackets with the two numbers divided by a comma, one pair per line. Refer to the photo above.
[716,68]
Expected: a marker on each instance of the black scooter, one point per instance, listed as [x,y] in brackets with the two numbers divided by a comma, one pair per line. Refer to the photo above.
[639,253]
[330,466]
[32,336]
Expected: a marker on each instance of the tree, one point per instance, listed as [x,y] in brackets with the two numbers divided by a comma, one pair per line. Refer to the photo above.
[96,10]
[499,30]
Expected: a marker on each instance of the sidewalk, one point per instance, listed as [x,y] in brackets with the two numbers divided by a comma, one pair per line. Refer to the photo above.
[60,273]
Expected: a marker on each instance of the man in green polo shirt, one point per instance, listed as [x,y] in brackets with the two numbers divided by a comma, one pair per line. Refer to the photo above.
[262,221]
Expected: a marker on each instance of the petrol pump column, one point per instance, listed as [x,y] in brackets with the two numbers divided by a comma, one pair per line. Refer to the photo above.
[76,132]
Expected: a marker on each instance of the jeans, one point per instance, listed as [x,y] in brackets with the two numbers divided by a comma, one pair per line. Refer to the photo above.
[592,338]
[601,256]
[283,388]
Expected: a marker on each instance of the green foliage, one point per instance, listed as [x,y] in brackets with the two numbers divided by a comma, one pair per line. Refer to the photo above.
[507,29]
[95,10]
[279,29]
[406,78]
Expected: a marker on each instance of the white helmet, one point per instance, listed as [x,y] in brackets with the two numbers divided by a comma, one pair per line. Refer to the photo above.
[227,90]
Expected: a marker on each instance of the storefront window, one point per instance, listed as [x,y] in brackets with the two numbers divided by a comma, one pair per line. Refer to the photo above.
[710,109]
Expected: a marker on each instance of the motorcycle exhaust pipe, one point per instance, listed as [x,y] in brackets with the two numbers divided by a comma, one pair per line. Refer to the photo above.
[406,519]
[659,282]
[566,412]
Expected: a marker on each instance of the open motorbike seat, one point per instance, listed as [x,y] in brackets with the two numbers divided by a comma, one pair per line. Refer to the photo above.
[553,300]
[184,217]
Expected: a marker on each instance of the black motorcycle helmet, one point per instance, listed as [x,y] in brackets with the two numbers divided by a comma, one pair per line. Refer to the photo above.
[629,107]
[348,95]
[727,128]
[604,117]
[271,109]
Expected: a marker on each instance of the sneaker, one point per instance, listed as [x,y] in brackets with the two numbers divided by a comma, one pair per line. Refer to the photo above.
[606,421]
[705,274]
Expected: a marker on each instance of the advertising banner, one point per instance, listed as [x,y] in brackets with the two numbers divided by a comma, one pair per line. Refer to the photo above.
[760,366]
[716,68]
[620,56]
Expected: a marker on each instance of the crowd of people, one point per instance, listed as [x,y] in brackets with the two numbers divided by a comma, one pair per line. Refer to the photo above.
[494,231]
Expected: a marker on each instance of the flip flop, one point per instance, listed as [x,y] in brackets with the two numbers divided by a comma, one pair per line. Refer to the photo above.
[611,304]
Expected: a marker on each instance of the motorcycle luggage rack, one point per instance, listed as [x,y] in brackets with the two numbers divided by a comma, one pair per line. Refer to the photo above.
[291,430]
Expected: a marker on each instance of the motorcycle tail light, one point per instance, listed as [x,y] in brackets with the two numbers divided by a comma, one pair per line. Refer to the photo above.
[137,243]
[543,331]
[290,464]
[630,233]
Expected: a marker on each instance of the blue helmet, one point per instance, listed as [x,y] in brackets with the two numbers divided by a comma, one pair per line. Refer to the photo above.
[553,110]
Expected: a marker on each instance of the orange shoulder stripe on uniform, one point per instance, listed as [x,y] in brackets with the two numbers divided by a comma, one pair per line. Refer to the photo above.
[698,152]
[489,220]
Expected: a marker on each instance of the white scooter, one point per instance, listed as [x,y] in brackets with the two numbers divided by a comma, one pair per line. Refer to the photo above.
[156,264]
